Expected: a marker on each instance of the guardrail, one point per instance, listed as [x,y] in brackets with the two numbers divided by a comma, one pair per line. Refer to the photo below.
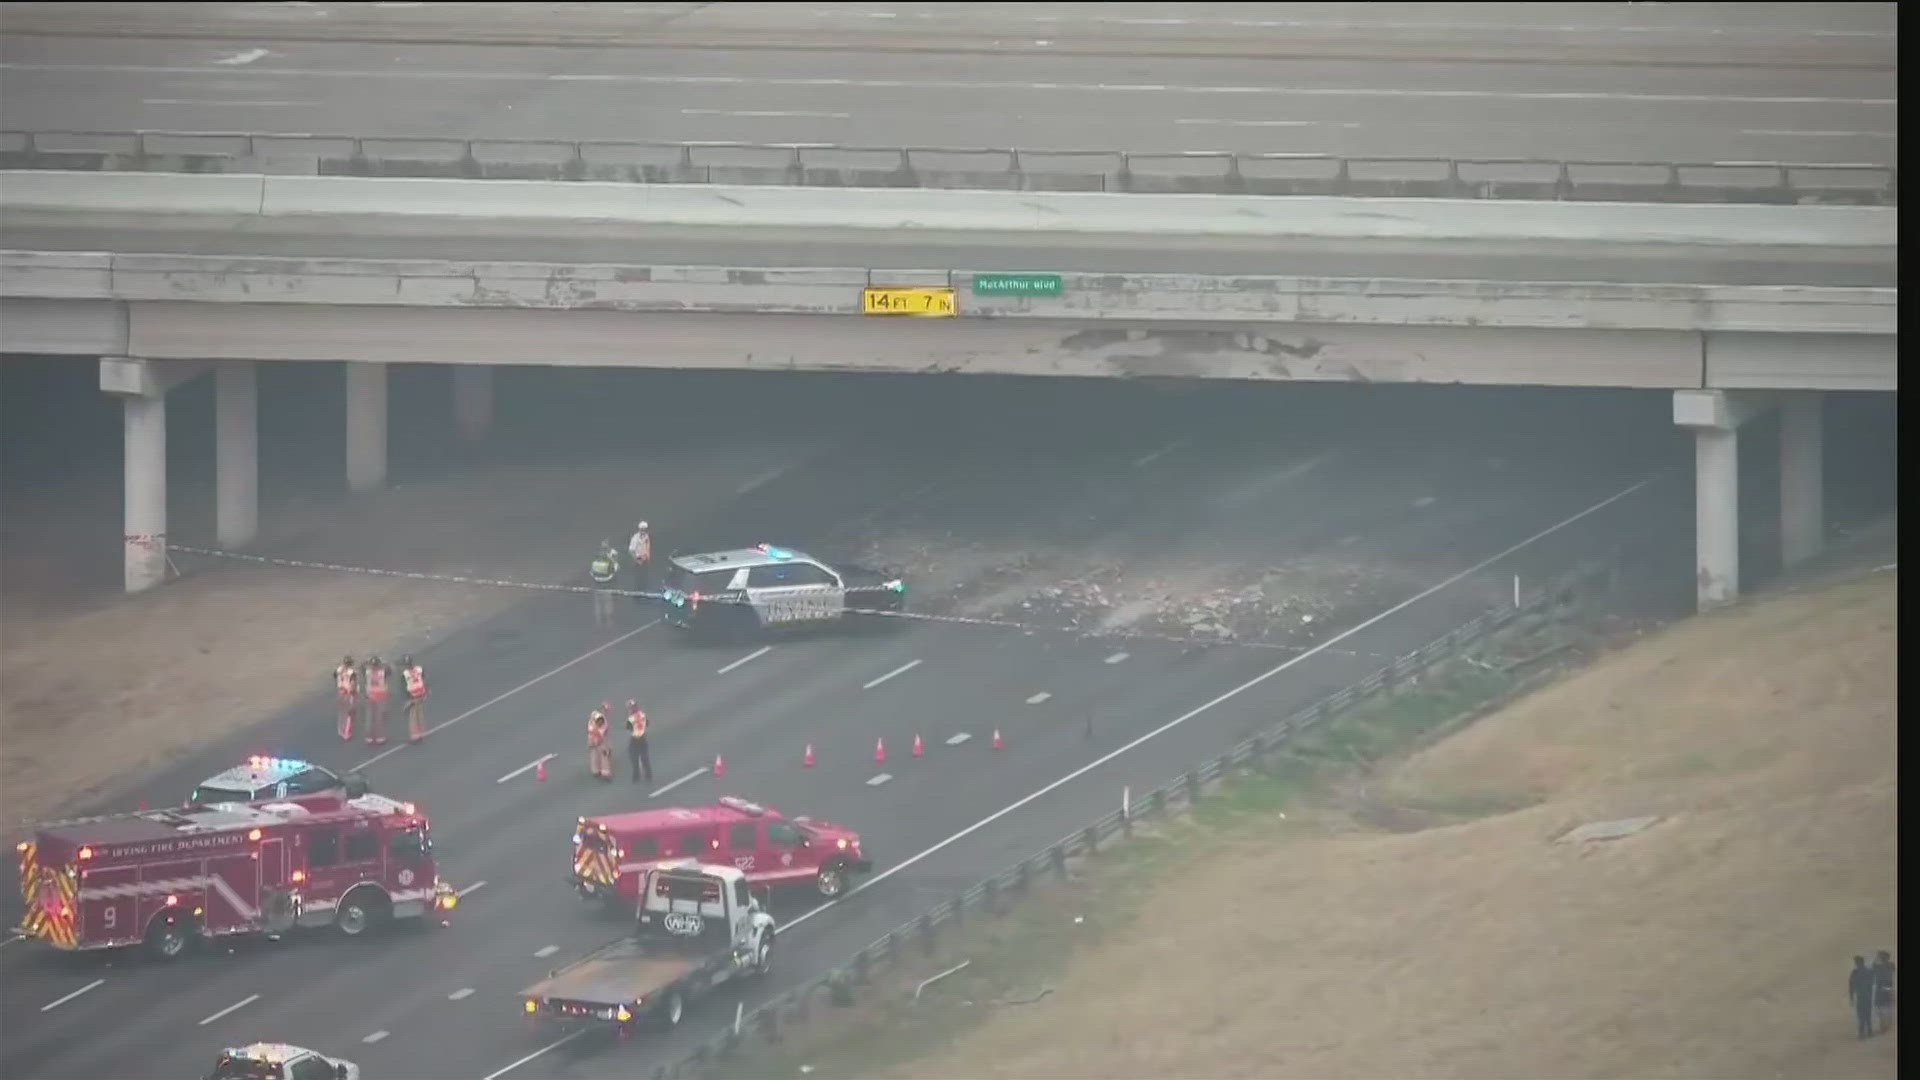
[771,1019]
[824,165]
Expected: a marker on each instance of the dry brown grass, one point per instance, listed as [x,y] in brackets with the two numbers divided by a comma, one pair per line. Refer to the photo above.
[1714,944]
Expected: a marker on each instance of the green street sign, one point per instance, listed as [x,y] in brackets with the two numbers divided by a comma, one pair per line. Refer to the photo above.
[1017,284]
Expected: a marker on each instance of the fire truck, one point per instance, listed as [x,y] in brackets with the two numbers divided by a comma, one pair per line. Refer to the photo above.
[166,878]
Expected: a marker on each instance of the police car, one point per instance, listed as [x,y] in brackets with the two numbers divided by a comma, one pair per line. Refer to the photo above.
[279,1061]
[767,587]
[259,778]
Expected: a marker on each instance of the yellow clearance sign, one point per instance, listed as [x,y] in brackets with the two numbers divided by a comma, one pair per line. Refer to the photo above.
[936,303]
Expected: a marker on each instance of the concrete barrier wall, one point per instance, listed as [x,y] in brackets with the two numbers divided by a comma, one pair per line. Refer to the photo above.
[1782,183]
[861,210]
[1084,297]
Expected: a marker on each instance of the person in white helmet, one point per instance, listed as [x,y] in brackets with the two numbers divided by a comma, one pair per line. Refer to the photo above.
[640,552]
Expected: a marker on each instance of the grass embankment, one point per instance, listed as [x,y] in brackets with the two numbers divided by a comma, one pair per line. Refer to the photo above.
[1388,899]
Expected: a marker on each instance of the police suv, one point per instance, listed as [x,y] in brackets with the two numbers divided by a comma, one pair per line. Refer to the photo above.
[767,587]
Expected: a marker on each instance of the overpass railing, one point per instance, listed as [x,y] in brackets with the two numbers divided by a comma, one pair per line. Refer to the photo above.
[823,165]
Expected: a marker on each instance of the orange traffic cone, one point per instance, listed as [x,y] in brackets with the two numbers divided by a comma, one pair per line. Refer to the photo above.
[719,765]
[143,804]
[917,748]
[998,742]
[879,751]
[807,758]
[540,769]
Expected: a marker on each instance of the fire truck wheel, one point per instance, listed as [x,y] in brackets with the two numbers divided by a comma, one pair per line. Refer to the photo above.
[359,910]
[832,880]
[168,936]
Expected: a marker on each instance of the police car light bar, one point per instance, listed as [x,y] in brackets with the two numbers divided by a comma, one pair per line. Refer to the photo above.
[775,553]
[261,762]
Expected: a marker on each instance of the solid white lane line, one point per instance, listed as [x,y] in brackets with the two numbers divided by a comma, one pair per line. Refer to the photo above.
[880,779]
[241,1004]
[694,775]
[11,940]
[462,893]
[200,102]
[546,950]
[754,655]
[375,1037]
[247,57]
[1117,657]
[57,1002]
[765,113]
[1038,698]
[1819,134]
[1228,696]
[901,670]
[534,764]
[535,681]
[1158,454]
[547,1049]
[461,994]
[957,738]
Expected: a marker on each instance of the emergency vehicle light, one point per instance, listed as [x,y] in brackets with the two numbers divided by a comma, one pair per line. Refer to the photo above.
[22,847]
[742,805]
[253,834]
[86,853]
[622,1014]
[299,876]
[173,901]
[531,1007]
[772,552]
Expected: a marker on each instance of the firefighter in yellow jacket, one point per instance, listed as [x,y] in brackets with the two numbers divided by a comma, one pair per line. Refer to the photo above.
[599,754]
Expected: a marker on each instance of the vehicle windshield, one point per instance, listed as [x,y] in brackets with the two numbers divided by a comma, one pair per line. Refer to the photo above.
[411,844]
[207,795]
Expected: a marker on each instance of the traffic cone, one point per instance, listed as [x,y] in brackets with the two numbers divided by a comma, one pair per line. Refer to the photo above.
[540,769]
[807,758]
[879,751]
[719,765]
[143,804]
[917,748]
[998,742]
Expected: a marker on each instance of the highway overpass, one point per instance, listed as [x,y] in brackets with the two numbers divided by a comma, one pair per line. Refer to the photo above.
[1728,306]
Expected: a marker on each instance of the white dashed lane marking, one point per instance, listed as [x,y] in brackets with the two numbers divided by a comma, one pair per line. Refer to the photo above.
[1038,698]
[878,780]
[901,670]
[463,992]
[754,655]
[957,738]
[694,775]
[547,950]
[57,1002]
[1116,658]
[375,1037]
[241,1004]
[462,893]
[534,764]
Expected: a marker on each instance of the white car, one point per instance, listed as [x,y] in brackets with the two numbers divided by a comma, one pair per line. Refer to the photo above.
[278,1061]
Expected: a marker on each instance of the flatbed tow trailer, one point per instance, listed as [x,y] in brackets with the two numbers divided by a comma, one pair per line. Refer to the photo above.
[696,927]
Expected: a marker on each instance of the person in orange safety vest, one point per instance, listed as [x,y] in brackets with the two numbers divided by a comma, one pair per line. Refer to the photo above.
[346,687]
[599,754]
[415,684]
[376,700]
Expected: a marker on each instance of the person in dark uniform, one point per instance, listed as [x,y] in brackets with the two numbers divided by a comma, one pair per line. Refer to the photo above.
[1883,990]
[1860,984]
[637,756]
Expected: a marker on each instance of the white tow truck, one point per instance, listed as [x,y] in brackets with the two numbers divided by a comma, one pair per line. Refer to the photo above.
[697,926]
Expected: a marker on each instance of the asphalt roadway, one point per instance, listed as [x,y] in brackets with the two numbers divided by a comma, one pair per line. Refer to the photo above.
[1741,82]
[439,1003]
[615,243]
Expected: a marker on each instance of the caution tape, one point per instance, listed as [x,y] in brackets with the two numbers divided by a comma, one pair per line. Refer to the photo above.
[650,594]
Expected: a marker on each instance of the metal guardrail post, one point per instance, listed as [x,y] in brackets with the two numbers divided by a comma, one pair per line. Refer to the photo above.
[1091,838]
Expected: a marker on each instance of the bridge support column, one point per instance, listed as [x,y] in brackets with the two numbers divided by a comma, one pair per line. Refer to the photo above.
[236,453]
[473,400]
[366,425]
[142,385]
[1715,417]
[1802,490]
